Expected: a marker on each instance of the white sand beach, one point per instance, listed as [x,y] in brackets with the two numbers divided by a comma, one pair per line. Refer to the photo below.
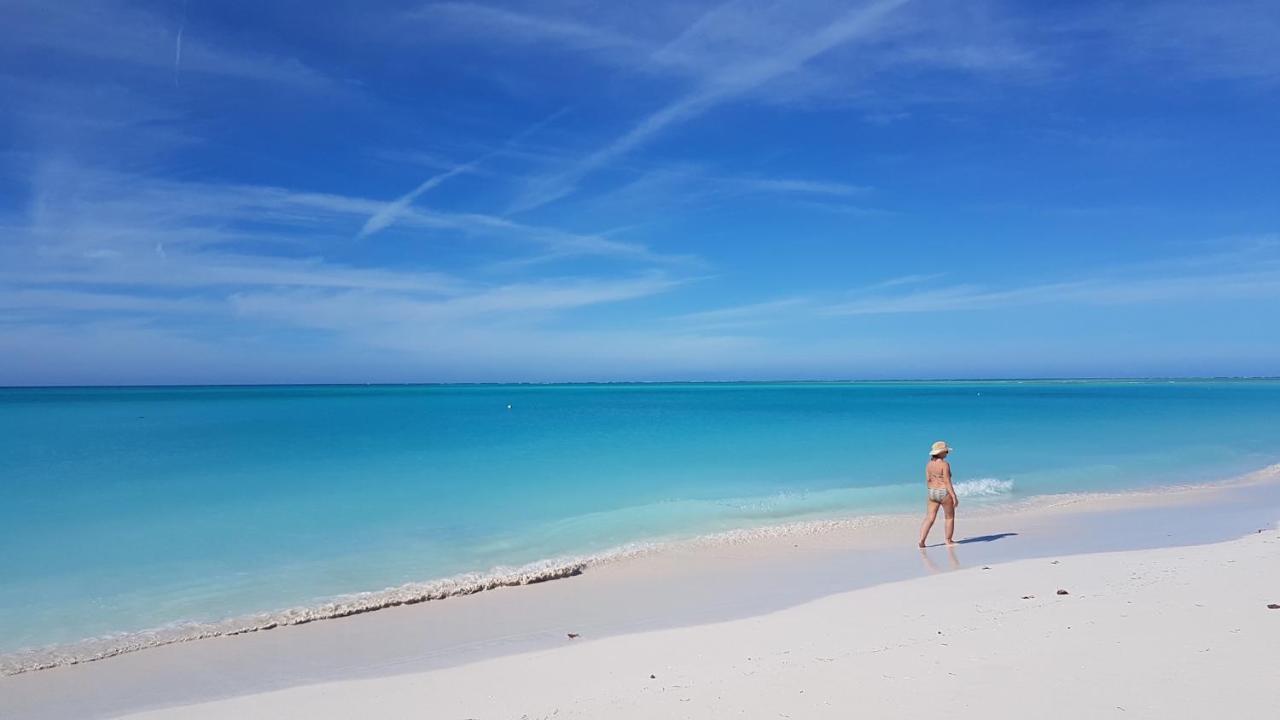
[1169,633]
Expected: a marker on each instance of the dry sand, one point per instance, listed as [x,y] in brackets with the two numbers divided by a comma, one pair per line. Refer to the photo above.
[1160,633]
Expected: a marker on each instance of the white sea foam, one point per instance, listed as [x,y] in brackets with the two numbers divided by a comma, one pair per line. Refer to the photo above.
[984,487]
[409,594]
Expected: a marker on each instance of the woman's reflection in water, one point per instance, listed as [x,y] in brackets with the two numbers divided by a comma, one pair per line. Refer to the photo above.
[932,567]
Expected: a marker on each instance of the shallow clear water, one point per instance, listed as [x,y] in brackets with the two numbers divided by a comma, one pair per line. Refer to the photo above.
[130,508]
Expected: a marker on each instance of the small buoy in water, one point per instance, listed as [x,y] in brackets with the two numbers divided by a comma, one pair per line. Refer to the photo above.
[508,407]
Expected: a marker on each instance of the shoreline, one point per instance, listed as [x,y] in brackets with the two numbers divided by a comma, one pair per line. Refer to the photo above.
[679,586]
[92,650]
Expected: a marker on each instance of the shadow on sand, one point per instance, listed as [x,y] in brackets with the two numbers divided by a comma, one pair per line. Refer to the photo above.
[985,538]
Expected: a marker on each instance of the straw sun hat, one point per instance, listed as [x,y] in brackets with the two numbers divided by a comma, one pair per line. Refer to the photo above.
[939,448]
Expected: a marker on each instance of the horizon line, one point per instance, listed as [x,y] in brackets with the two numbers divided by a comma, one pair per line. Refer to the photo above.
[790,381]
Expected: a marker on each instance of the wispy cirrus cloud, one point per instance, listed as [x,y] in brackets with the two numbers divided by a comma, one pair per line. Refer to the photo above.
[727,84]
[1252,272]
[519,303]
[741,50]
[678,187]
[746,50]
[97,248]
[697,42]
[81,210]
[516,27]
[1233,39]
[800,186]
[196,272]
[500,330]
[118,33]
[37,302]
[1092,291]
[744,315]
[202,220]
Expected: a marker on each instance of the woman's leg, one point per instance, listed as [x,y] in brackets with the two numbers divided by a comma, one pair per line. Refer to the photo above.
[950,509]
[930,515]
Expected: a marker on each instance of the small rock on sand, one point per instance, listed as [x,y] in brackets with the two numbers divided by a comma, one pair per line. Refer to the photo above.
[1063,592]
[574,636]
[1273,606]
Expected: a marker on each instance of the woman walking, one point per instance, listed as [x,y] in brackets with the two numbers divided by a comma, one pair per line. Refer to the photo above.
[937,478]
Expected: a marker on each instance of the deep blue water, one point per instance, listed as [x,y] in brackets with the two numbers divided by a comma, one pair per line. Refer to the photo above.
[130,508]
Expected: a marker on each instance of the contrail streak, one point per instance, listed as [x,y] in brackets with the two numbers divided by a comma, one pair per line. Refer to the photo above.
[177,49]
[389,212]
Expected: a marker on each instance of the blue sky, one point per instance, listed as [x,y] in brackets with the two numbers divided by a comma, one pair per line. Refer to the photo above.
[201,192]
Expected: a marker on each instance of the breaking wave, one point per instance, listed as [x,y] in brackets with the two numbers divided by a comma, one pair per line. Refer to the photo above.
[984,487]
[409,594]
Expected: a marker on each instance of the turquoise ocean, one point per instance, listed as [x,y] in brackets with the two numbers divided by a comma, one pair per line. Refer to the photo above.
[124,510]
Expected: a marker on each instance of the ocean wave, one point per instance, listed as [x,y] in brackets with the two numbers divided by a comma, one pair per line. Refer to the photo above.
[983,487]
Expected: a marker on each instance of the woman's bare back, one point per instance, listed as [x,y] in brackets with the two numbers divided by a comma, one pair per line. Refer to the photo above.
[937,473]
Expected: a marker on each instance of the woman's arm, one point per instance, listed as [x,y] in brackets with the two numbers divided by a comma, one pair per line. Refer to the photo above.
[950,488]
